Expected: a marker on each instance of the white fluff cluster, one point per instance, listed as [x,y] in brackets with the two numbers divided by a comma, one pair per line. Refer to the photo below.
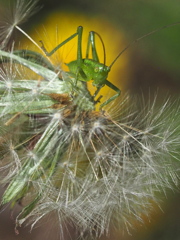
[93,169]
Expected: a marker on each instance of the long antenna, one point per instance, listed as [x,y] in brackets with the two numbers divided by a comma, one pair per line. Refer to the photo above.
[138,39]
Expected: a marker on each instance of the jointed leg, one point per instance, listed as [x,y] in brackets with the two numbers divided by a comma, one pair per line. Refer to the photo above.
[79,46]
[91,41]
[79,33]
[112,86]
[95,94]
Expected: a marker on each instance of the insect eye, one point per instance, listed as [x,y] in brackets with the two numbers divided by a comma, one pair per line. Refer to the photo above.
[96,69]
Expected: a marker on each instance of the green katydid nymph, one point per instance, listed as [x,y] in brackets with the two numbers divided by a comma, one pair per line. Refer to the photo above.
[84,69]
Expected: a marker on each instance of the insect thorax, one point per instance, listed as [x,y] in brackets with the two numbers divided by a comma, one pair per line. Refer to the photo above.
[88,70]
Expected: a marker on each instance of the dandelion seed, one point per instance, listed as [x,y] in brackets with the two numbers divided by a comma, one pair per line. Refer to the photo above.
[20,12]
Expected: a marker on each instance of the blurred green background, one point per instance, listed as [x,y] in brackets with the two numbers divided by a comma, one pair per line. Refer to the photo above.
[154,65]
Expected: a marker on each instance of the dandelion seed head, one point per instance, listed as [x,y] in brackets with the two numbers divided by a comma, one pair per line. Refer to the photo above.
[57,116]
[35,92]
[9,85]
[125,137]
[76,128]
[99,154]
[102,171]
[7,75]
[97,127]
[31,155]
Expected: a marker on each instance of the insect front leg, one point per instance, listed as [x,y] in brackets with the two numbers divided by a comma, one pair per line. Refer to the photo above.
[112,86]
[96,93]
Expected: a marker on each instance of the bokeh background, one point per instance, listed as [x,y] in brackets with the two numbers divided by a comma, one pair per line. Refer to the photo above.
[151,65]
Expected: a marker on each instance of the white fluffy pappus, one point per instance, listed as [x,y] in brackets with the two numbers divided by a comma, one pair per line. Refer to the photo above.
[91,169]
